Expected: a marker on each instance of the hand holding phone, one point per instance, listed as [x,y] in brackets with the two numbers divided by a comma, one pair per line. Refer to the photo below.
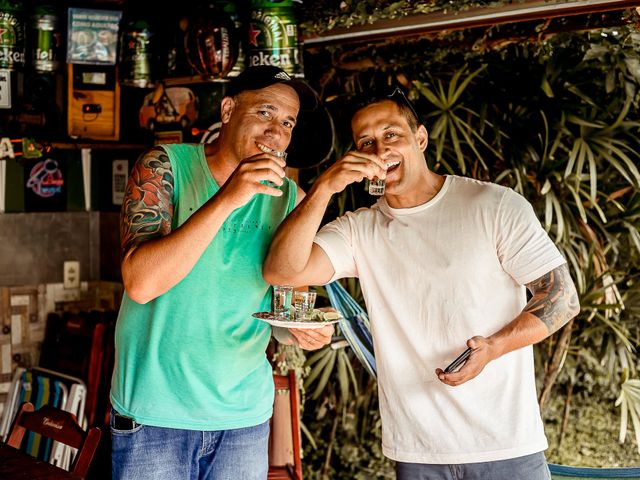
[458,361]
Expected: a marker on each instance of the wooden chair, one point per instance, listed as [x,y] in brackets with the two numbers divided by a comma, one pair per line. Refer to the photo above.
[74,344]
[284,441]
[60,426]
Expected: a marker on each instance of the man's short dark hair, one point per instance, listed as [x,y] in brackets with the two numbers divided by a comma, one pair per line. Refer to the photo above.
[396,95]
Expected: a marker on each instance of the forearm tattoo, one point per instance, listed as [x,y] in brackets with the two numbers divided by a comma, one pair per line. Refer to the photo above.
[555,300]
[147,209]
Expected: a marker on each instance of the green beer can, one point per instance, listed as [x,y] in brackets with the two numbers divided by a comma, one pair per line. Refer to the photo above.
[273,36]
[136,54]
[12,48]
[45,40]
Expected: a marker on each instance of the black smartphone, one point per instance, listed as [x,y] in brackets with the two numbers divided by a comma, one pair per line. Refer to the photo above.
[458,361]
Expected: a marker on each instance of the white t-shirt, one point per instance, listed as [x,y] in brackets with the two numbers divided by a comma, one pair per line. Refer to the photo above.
[434,276]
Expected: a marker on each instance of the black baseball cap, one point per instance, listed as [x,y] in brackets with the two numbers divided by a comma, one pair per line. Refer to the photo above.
[262,76]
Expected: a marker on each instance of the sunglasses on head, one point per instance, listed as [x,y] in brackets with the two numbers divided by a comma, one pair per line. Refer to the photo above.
[396,95]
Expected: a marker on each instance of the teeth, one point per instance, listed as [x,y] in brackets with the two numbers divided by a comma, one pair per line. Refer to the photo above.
[270,151]
[392,164]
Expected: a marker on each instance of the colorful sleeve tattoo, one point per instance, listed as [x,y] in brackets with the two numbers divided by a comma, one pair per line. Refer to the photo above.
[147,209]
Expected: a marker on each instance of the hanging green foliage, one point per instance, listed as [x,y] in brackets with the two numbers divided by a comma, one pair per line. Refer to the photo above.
[558,121]
[327,15]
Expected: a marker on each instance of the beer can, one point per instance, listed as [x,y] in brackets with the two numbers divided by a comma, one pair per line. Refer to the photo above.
[273,36]
[46,40]
[136,55]
[12,39]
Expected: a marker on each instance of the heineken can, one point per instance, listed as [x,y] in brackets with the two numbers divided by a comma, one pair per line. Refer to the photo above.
[46,38]
[12,48]
[136,55]
[273,36]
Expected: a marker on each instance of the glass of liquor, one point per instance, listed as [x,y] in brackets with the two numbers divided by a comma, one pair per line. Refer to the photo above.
[281,305]
[376,186]
[303,303]
[275,153]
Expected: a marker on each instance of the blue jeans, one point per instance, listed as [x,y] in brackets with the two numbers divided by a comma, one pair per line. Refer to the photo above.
[529,467]
[156,453]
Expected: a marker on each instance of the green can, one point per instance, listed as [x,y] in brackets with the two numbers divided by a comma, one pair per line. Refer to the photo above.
[273,36]
[46,40]
[12,38]
[136,55]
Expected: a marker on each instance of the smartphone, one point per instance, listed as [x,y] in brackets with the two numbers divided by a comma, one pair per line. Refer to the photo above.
[458,361]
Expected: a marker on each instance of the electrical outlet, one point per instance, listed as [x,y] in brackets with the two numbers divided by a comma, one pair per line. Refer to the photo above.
[71,274]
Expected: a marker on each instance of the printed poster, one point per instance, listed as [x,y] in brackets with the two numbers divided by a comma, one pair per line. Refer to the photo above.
[93,36]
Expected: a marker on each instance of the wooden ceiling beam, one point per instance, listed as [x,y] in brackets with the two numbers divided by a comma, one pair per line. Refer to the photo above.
[416,25]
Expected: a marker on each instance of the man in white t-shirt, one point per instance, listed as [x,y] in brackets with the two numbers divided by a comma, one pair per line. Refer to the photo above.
[443,262]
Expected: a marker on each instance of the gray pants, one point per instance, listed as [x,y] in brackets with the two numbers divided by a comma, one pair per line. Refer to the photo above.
[529,467]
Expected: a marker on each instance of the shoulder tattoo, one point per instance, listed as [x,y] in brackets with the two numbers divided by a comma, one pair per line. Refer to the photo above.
[147,208]
[555,300]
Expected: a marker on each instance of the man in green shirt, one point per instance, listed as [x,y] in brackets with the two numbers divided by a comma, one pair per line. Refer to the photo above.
[192,389]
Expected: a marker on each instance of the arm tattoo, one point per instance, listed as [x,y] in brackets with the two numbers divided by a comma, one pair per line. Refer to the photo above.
[147,209]
[555,300]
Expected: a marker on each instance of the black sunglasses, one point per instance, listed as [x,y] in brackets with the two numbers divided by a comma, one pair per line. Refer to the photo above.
[396,95]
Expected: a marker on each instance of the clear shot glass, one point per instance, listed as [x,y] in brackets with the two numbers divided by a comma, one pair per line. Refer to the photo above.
[281,304]
[376,186]
[278,154]
[303,303]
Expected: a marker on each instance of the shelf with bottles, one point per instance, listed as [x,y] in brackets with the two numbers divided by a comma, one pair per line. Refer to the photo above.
[97,145]
[191,80]
[11,148]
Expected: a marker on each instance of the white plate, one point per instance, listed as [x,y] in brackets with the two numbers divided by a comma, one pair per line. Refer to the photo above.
[278,322]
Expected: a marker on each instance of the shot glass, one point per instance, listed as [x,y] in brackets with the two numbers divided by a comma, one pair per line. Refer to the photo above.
[278,154]
[376,187]
[303,303]
[281,304]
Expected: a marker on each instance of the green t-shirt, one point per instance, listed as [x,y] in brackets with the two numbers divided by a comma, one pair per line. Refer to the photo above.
[194,358]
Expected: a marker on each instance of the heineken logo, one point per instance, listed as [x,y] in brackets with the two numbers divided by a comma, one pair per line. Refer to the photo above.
[8,19]
[283,58]
[273,40]
[277,30]
[253,35]
[44,54]
[10,56]
[7,36]
[8,25]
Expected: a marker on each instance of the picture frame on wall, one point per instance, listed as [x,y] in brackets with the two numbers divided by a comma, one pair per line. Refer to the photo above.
[93,36]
